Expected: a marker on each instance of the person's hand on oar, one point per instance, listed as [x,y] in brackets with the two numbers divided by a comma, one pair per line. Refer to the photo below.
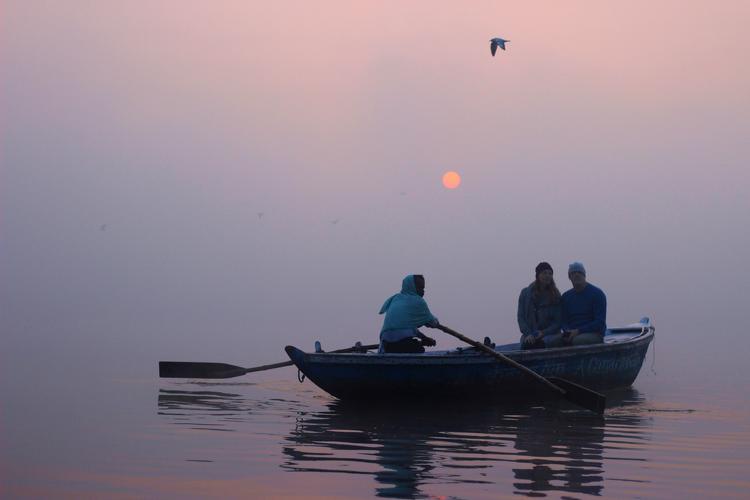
[425,340]
[428,341]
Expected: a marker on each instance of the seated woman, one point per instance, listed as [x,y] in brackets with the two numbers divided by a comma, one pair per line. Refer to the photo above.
[539,311]
[404,313]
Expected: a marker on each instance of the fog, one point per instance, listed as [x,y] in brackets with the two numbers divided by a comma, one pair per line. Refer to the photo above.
[140,143]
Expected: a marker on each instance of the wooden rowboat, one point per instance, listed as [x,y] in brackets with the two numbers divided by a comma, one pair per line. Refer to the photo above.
[467,371]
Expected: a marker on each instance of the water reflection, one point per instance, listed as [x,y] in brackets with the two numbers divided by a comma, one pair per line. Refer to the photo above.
[567,455]
[405,447]
[204,409]
[220,411]
[409,449]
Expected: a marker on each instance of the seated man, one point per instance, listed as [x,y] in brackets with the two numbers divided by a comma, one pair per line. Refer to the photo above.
[404,313]
[584,310]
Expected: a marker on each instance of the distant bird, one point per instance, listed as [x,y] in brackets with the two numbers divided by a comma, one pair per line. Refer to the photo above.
[103,227]
[260,215]
[335,221]
[495,43]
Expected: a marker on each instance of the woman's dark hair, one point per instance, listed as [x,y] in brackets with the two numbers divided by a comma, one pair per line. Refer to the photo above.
[550,292]
[542,266]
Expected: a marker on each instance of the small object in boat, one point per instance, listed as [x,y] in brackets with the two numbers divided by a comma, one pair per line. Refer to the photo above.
[318,348]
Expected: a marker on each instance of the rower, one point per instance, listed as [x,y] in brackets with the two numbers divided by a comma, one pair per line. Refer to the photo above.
[405,312]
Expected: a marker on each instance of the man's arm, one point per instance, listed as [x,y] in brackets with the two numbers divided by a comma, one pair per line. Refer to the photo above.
[564,316]
[599,323]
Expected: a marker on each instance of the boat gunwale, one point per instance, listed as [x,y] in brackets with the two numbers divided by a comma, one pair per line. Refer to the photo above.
[475,357]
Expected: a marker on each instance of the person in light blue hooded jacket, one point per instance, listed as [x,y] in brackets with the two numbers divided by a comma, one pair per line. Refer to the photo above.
[404,313]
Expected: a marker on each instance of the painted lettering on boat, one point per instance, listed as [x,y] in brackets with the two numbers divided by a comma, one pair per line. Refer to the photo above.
[609,365]
[591,366]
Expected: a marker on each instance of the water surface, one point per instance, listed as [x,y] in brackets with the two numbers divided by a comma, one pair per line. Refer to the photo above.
[272,436]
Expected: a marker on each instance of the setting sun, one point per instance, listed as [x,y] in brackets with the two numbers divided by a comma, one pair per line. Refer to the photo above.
[451,180]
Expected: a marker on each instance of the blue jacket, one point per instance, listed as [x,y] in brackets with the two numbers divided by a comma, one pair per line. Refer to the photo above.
[585,311]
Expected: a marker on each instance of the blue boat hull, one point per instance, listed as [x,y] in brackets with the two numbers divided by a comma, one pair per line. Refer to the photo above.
[464,372]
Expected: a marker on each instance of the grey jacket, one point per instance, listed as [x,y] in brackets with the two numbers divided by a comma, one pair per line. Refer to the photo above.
[533,316]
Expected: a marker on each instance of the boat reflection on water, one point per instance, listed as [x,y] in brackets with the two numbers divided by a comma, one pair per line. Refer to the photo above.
[548,449]
[558,454]
[416,450]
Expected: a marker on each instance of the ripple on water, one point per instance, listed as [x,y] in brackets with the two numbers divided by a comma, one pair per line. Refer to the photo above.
[415,450]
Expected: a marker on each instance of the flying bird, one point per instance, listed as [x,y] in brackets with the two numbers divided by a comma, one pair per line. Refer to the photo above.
[260,215]
[495,43]
[103,227]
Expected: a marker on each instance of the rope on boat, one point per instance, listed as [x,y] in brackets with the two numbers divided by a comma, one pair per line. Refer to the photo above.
[300,376]
[653,357]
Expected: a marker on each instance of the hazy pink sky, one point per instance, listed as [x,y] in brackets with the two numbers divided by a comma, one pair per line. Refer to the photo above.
[613,133]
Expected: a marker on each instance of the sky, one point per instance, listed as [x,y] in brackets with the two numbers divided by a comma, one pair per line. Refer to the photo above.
[139,142]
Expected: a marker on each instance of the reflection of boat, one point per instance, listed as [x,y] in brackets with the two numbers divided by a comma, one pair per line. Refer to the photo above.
[411,447]
[418,449]
[613,364]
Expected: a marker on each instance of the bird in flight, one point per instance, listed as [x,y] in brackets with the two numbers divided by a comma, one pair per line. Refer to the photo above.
[495,43]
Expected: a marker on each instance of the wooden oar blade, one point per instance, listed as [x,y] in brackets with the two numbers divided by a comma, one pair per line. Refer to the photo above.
[184,369]
[580,395]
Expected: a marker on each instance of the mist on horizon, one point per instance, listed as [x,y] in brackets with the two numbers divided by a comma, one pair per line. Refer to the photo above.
[140,145]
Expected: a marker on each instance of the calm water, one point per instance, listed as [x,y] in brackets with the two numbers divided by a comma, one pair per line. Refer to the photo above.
[79,436]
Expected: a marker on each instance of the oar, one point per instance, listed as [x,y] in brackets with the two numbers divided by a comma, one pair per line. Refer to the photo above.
[572,392]
[186,369]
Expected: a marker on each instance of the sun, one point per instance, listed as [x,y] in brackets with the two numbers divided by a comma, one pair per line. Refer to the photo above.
[451,180]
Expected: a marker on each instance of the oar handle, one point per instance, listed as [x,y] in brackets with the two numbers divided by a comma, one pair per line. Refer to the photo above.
[268,367]
[502,358]
[290,363]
